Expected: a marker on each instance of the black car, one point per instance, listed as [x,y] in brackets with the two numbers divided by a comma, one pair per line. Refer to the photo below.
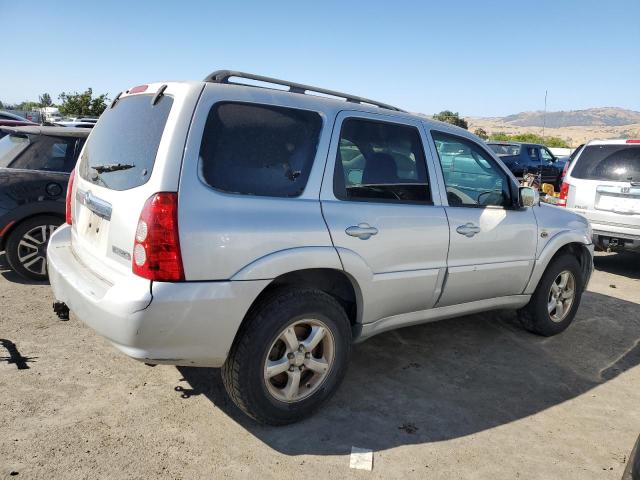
[523,158]
[35,163]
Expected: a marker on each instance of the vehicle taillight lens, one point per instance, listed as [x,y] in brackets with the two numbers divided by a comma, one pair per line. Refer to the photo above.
[156,248]
[68,215]
[564,192]
[633,140]
[564,170]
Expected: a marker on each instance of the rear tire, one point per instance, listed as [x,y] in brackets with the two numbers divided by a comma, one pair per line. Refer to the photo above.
[556,299]
[272,339]
[26,247]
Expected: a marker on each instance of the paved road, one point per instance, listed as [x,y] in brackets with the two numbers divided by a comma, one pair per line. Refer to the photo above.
[475,397]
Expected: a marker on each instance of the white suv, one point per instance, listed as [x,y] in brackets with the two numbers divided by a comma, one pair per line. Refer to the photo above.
[217,224]
[603,184]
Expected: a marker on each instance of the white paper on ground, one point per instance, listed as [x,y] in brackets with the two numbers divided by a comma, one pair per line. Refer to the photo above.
[361,458]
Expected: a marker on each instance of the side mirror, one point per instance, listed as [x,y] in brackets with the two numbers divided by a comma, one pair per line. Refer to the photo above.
[529,197]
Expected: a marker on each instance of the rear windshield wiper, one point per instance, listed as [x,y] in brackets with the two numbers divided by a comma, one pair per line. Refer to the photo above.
[112,167]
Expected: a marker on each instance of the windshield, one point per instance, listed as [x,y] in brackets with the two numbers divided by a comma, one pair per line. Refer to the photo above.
[502,149]
[609,162]
[127,134]
[10,148]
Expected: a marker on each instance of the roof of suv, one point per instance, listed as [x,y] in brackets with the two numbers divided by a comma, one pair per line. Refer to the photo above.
[308,97]
[52,131]
[615,141]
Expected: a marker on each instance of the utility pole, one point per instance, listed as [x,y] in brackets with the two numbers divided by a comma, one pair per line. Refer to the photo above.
[544,116]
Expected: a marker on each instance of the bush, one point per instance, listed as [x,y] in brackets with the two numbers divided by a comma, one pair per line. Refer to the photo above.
[554,142]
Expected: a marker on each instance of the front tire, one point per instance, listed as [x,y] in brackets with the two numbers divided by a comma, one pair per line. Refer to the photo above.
[289,357]
[556,299]
[26,247]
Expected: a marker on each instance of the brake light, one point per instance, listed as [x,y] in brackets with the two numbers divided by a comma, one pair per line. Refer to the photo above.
[68,215]
[138,89]
[156,248]
[564,170]
[633,140]
[564,193]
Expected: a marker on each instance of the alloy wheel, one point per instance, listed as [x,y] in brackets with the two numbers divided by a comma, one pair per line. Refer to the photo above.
[561,296]
[299,360]
[32,249]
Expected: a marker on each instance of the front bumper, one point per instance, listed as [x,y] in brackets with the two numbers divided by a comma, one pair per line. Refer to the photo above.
[186,323]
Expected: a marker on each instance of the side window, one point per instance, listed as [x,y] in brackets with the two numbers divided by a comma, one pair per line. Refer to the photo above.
[471,176]
[532,153]
[546,155]
[380,162]
[259,149]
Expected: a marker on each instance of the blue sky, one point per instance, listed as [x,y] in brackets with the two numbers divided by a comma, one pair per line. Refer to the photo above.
[484,58]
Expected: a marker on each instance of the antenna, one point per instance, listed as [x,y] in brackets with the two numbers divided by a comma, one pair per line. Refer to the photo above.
[544,116]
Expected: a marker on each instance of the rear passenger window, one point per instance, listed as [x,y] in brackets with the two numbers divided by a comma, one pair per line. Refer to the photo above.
[259,149]
[380,162]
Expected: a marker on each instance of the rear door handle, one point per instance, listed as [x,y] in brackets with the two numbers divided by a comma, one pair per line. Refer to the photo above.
[468,230]
[363,231]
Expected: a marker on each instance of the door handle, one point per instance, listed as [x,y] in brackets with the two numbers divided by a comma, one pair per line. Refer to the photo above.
[468,230]
[363,231]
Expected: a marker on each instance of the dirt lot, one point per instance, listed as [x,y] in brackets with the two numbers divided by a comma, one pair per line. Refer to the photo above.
[475,397]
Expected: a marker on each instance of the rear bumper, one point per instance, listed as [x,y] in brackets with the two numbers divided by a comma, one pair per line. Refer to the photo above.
[604,236]
[188,323]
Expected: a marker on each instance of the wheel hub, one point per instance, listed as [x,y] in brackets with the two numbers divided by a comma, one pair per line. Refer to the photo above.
[298,359]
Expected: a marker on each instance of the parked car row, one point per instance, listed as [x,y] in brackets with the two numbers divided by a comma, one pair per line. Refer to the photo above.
[264,231]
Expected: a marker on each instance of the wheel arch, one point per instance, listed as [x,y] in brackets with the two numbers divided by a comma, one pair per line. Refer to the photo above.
[16,223]
[573,243]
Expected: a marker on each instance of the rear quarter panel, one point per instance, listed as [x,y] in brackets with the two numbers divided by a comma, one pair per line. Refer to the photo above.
[222,233]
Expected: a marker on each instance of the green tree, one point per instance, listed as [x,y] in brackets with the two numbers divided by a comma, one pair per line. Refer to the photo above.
[1,104]
[481,132]
[82,104]
[45,100]
[452,118]
[531,138]
[27,106]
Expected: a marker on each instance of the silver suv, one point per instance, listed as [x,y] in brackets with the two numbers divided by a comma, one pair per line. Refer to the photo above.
[223,224]
[603,184]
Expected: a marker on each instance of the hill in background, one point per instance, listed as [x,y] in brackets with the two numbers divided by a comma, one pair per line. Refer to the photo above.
[592,117]
[575,126]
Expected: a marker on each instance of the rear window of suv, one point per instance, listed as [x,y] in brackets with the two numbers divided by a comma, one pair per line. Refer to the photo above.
[619,163]
[127,135]
[259,149]
[504,149]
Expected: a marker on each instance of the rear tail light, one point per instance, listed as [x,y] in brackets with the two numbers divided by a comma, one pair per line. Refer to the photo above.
[633,140]
[68,215]
[156,248]
[564,170]
[564,193]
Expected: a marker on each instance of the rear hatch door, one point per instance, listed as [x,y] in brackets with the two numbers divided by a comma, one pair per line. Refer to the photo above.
[134,151]
[607,186]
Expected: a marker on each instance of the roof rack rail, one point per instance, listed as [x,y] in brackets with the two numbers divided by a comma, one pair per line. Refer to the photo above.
[223,76]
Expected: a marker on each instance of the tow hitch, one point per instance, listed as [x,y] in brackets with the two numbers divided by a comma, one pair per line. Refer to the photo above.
[61,310]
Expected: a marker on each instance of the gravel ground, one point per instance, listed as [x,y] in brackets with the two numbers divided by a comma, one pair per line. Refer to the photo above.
[475,397]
